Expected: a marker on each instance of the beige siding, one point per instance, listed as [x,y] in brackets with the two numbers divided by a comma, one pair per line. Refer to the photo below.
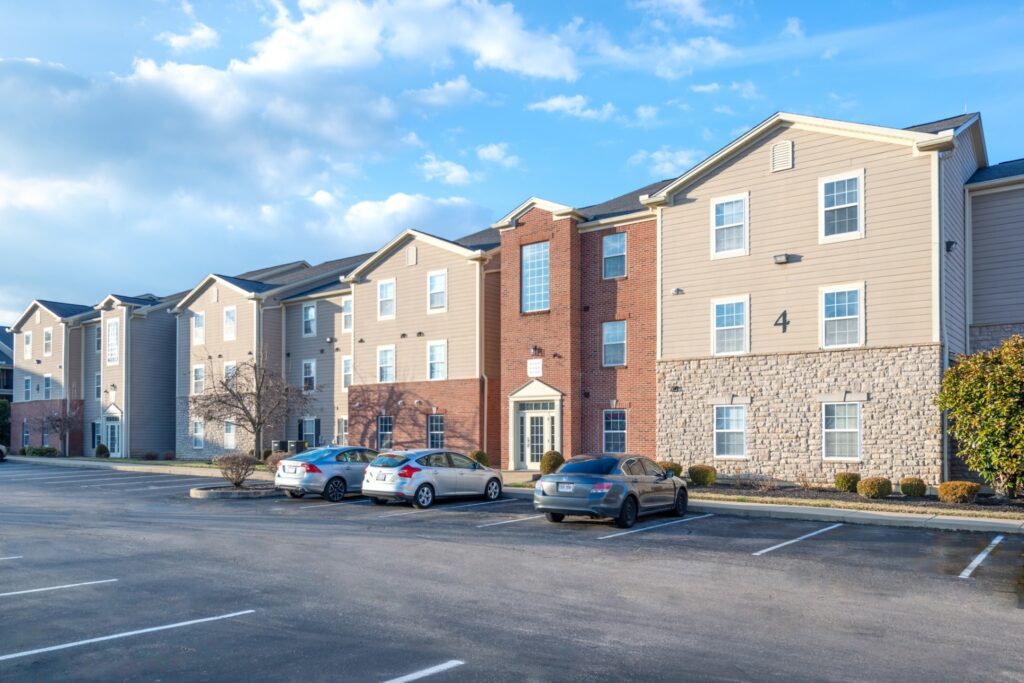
[91,364]
[329,402]
[151,395]
[894,259]
[48,365]
[956,169]
[997,224]
[113,374]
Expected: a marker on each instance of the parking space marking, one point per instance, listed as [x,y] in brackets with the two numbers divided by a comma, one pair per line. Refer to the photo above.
[508,521]
[55,588]
[12,557]
[451,507]
[966,573]
[162,477]
[330,505]
[151,487]
[797,540]
[66,476]
[423,673]
[126,634]
[655,526]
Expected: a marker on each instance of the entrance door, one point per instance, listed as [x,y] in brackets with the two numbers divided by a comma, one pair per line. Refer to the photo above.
[114,436]
[537,425]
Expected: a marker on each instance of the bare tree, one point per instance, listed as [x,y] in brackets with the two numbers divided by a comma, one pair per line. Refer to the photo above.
[61,422]
[255,397]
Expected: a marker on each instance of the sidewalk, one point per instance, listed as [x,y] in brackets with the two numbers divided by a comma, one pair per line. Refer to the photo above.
[103,464]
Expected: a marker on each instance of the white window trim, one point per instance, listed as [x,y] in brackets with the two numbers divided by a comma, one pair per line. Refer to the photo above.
[714,432]
[429,275]
[196,340]
[224,322]
[604,432]
[47,379]
[312,364]
[625,257]
[625,345]
[394,362]
[862,327]
[47,330]
[27,388]
[860,431]
[192,379]
[351,374]
[234,367]
[443,432]
[846,236]
[302,320]
[201,434]
[99,339]
[115,323]
[745,298]
[233,433]
[26,345]
[394,298]
[351,314]
[745,250]
[437,342]
[522,298]
[98,388]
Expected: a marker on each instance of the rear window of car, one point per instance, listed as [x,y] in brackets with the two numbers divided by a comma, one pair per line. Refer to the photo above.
[589,466]
[309,456]
[389,460]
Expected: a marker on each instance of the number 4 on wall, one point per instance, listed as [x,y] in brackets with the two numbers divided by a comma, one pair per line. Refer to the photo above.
[782,321]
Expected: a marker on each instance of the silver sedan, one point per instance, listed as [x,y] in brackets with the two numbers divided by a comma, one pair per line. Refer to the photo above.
[421,476]
[331,472]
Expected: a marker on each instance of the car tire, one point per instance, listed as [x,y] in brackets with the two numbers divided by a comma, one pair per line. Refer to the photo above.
[682,501]
[554,517]
[493,490]
[294,494]
[627,513]
[424,497]
[379,501]
[334,490]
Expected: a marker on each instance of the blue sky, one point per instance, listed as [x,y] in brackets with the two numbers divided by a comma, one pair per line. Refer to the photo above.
[148,143]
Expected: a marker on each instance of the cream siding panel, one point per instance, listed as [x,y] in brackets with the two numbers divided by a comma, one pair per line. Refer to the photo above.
[113,375]
[47,365]
[894,259]
[91,365]
[956,169]
[997,224]
[151,398]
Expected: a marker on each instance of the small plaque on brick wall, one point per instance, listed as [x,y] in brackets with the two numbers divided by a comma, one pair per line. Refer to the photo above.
[535,367]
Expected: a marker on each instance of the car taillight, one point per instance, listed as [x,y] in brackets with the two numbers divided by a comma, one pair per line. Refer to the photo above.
[407,471]
[539,486]
[311,467]
[603,487]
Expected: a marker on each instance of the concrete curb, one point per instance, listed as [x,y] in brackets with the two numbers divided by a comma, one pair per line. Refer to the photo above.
[210,493]
[133,467]
[509,492]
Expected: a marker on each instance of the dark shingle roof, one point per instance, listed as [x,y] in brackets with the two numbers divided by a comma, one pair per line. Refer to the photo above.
[485,240]
[247,285]
[259,273]
[6,338]
[137,300]
[626,203]
[1007,169]
[346,266]
[63,310]
[942,124]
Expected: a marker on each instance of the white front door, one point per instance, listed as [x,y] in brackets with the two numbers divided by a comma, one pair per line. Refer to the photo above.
[537,428]
[114,436]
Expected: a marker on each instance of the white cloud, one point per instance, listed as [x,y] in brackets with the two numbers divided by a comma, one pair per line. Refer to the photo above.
[50,194]
[692,11]
[830,53]
[724,109]
[323,199]
[575,105]
[446,171]
[706,87]
[208,89]
[400,211]
[747,90]
[646,113]
[665,162]
[680,59]
[456,91]
[199,36]
[793,28]
[497,153]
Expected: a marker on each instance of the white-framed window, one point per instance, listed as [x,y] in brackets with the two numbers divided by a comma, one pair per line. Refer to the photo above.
[198,328]
[730,227]
[386,299]
[437,360]
[841,207]
[614,430]
[309,319]
[309,434]
[113,341]
[230,439]
[230,373]
[613,343]
[230,323]
[346,372]
[198,435]
[48,341]
[346,314]
[98,385]
[47,387]
[386,364]
[435,431]
[840,424]
[198,379]
[437,291]
[342,436]
[730,431]
[729,319]
[309,375]
[842,315]
[613,255]
[26,434]
[535,276]
[28,388]
[385,430]
[99,339]
[26,345]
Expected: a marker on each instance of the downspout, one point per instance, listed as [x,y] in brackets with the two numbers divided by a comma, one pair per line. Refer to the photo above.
[944,363]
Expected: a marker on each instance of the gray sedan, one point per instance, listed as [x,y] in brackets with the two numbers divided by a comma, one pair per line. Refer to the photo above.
[623,487]
[332,472]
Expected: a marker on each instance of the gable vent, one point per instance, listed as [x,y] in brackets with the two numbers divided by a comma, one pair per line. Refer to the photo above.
[410,256]
[782,155]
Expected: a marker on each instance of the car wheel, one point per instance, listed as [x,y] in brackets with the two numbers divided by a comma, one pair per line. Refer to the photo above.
[294,494]
[627,514]
[493,490]
[555,517]
[335,490]
[424,497]
[379,501]
[681,502]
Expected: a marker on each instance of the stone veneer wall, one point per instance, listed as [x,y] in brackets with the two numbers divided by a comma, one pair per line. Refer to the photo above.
[987,337]
[901,428]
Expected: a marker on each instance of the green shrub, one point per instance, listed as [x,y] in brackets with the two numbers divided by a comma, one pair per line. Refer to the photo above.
[267,452]
[958,491]
[102,451]
[673,467]
[150,455]
[847,481]
[702,475]
[168,455]
[550,461]
[874,487]
[273,460]
[236,468]
[480,457]
[913,486]
[42,451]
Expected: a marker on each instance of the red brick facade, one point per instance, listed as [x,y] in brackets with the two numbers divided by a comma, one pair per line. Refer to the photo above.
[34,412]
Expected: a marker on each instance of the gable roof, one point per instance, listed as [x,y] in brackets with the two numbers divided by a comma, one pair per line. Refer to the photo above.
[1002,171]
[337,286]
[624,203]
[485,239]
[59,309]
[6,346]
[411,234]
[950,122]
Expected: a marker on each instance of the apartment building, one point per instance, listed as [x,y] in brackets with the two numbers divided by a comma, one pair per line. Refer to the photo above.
[6,366]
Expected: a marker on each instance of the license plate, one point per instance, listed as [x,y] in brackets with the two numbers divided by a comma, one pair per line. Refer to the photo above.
[291,470]
[565,488]
[381,476]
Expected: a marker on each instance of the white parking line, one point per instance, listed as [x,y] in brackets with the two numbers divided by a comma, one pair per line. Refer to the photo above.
[329,505]
[451,507]
[12,557]
[966,573]
[152,487]
[654,526]
[56,588]
[423,673]
[508,521]
[797,540]
[160,477]
[63,477]
[126,634]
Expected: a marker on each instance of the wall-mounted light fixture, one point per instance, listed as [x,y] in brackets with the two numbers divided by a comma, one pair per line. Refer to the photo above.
[949,245]
[782,259]
[534,350]
[677,291]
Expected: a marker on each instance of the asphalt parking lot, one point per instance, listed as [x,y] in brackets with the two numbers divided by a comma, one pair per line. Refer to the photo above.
[120,576]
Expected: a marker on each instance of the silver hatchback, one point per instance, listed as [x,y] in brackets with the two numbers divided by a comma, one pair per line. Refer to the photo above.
[421,476]
[331,472]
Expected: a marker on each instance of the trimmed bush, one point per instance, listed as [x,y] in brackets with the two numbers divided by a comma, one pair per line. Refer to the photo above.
[913,486]
[673,467]
[847,481]
[550,461]
[102,451]
[3,452]
[273,460]
[702,475]
[168,455]
[150,455]
[42,451]
[874,487]
[267,452]
[959,492]
[480,457]
[236,468]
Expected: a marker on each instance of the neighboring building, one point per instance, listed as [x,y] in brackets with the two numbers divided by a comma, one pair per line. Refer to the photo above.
[6,364]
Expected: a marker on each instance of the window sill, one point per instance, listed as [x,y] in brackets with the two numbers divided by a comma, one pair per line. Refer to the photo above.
[623,365]
[546,311]
[841,237]
[730,254]
[615,278]
[731,457]
[846,460]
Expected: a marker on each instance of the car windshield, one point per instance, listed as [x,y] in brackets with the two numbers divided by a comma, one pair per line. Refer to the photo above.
[589,466]
[389,460]
[310,456]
